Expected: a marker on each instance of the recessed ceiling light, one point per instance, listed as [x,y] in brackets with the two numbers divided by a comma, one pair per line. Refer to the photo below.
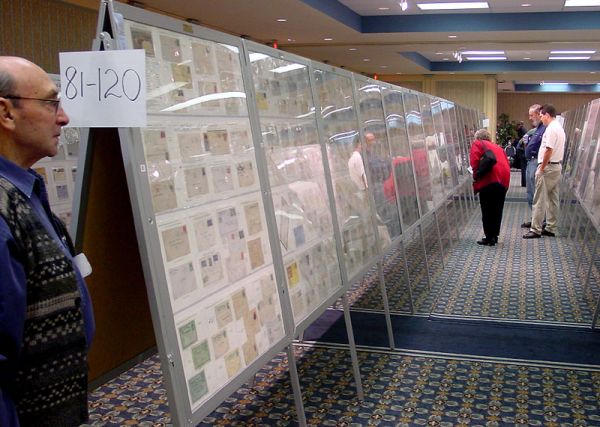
[454,5]
[383,8]
[483,52]
[366,59]
[581,3]
[568,57]
[592,72]
[446,59]
[384,66]
[291,40]
[398,72]
[282,20]
[439,53]
[352,48]
[452,36]
[486,58]
[527,58]
[328,39]
[573,52]
[526,4]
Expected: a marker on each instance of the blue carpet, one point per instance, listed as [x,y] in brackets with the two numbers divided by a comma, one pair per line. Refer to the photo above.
[474,338]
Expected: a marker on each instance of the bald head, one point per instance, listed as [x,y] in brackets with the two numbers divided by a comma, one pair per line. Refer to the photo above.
[30,114]
[18,74]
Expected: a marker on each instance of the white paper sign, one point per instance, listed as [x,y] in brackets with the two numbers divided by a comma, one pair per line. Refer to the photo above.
[105,88]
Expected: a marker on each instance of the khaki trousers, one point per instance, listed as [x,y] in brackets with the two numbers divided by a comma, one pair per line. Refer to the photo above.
[546,200]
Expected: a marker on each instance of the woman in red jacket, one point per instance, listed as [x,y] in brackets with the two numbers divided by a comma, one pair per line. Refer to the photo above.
[492,186]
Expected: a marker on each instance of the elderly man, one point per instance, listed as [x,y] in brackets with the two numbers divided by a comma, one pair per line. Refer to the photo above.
[46,320]
[547,176]
[534,140]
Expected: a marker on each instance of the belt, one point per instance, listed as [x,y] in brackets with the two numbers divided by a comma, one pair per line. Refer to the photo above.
[551,163]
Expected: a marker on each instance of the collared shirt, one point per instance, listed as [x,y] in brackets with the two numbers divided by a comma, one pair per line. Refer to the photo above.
[356,168]
[13,290]
[534,142]
[554,138]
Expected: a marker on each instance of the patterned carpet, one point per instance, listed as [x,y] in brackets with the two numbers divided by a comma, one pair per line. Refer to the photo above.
[518,280]
[400,390]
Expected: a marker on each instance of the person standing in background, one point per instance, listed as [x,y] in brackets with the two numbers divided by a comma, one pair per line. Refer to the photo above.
[534,140]
[492,187]
[547,176]
[46,317]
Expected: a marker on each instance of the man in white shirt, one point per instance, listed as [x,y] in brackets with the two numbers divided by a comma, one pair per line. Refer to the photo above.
[356,167]
[547,177]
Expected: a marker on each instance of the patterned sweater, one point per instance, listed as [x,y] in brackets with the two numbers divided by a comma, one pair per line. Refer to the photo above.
[50,385]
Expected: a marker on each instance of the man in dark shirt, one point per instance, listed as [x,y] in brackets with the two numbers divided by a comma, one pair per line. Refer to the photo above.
[534,139]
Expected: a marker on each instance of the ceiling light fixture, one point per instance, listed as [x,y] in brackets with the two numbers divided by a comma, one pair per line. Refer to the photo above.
[452,36]
[526,5]
[352,48]
[486,58]
[572,52]
[383,8]
[568,57]
[454,5]
[483,52]
[282,20]
[582,3]
[403,5]
[328,39]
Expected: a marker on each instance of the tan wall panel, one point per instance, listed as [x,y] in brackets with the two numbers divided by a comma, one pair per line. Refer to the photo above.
[516,105]
[39,29]
[465,93]
[418,86]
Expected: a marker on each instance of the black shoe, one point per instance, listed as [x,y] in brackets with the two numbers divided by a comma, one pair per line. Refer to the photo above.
[548,233]
[531,235]
[526,224]
[486,242]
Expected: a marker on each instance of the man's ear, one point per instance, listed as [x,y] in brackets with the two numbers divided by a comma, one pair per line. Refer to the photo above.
[6,118]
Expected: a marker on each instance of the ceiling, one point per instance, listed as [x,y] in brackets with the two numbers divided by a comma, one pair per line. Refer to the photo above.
[376,36]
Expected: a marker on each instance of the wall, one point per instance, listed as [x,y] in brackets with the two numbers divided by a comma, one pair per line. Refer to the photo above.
[516,105]
[478,91]
[39,29]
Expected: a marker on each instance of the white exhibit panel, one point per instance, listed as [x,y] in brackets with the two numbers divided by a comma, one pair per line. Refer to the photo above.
[416,137]
[347,169]
[459,153]
[586,189]
[293,156]
[378,160]
[466,139]
[442,144]
[403,185]
[589,139]
[217,296]
[451,144]
[579,153]
[432,145]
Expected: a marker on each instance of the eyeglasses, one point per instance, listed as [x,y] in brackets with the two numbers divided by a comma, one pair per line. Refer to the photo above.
[54,102]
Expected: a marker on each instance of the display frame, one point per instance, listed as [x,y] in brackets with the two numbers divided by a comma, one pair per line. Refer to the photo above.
[149,242]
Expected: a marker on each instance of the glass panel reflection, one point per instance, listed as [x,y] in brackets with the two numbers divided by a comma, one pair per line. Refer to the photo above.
[402,158]
[348,175]
[419,151]
[377,160]
[296,175]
